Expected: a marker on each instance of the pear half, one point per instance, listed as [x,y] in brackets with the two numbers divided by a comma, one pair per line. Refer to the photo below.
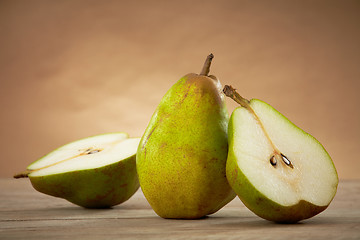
[280,172]
[94,172]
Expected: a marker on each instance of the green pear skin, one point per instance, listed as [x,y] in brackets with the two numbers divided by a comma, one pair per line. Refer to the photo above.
[181,157]
[256,201]
[102,187]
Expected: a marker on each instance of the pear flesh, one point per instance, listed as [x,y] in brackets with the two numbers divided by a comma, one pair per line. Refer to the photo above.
[280,172]
[94,172]
[181,159]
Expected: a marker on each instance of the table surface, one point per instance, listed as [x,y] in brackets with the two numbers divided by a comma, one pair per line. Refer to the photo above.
[28,214]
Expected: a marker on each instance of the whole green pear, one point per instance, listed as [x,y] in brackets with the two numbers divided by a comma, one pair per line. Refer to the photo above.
[181,158]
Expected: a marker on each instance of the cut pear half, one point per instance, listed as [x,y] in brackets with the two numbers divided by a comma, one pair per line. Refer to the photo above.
[93,152]
[280,172]
[94,172]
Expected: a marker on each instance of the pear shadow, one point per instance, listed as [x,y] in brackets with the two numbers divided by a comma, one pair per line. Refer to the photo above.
[254,222]
[186,219]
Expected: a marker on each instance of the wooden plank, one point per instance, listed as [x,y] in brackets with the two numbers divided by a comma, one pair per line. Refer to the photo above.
[27,214]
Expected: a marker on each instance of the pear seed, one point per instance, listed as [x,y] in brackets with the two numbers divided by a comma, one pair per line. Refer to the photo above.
[94,151]
[273,161]
[286,161]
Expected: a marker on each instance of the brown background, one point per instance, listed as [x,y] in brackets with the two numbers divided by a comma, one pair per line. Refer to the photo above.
[72,69]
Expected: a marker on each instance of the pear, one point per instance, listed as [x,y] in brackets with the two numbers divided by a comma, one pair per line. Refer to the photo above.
[181,159]
[280,172]
[94,172]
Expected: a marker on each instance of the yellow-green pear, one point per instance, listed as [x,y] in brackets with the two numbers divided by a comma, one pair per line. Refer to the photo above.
[181,157]
[280,172]
[94,172]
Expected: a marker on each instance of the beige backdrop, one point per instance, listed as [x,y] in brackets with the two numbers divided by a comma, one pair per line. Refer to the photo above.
[72,69]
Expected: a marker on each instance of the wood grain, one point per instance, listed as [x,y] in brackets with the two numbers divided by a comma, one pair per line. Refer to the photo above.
[27,214]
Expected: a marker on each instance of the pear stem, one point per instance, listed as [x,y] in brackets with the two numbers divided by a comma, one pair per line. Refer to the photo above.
[234,95]
[206,68]
[24,174]
[230,92]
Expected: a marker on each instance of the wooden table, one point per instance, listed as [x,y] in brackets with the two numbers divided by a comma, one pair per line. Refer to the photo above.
[27,214]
